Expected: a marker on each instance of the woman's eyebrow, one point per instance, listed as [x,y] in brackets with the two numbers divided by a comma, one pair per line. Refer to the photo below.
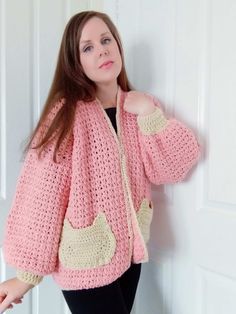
[87,41]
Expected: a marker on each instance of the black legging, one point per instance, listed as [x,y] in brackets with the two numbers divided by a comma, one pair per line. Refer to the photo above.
[115,298]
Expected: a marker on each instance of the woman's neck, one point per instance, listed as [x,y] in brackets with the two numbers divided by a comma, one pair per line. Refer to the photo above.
[107,95]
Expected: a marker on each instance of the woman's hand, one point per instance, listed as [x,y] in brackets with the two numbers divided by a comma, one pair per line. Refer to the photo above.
[139,103]
[12,291]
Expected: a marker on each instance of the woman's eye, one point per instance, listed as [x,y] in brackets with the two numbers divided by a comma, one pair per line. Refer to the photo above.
[107,39]
[87,49]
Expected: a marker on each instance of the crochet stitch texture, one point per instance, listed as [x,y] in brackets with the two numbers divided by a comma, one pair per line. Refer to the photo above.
[84,219]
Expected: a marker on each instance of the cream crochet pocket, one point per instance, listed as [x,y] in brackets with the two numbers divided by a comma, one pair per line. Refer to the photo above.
[87,247]
[144,216]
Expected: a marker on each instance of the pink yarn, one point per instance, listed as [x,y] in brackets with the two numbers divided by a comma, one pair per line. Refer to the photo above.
[88,180]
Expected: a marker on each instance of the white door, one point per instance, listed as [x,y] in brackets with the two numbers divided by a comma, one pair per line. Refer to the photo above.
[184,52]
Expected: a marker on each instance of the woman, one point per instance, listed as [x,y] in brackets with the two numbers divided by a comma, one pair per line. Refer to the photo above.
[82,209]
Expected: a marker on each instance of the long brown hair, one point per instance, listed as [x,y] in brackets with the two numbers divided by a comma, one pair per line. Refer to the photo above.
[70,84]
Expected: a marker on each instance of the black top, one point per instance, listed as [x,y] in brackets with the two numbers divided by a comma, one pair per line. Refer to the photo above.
[111,112]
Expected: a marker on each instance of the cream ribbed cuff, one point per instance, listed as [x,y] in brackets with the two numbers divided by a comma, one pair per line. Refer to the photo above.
[152,123]
[28,277]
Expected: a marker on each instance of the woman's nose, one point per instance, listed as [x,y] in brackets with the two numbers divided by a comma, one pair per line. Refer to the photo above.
[104,51]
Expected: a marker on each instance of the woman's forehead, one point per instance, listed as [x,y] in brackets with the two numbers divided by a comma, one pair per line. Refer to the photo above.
[93,28]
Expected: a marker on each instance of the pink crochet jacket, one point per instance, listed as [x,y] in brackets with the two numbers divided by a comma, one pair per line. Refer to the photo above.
[85,219]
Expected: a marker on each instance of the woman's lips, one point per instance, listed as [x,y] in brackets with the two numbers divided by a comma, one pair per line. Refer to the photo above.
[107,65]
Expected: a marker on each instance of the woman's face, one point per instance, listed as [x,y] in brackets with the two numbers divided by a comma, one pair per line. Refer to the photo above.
[97,45]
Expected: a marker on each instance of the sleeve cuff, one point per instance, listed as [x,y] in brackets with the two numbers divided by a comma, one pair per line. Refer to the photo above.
[152,123]
[28,277]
